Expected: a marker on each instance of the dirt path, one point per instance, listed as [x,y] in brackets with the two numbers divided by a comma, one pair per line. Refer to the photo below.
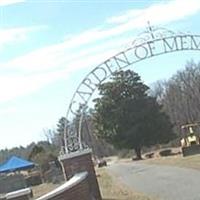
[163,182]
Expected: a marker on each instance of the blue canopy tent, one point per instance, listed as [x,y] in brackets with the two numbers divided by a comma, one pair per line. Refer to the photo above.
[15,164]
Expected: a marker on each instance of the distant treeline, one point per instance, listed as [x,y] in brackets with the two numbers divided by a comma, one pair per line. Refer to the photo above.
[51,147]
[179,95]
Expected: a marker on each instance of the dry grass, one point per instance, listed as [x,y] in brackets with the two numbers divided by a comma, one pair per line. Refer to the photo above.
[113,190]
[179,161]
[110,189]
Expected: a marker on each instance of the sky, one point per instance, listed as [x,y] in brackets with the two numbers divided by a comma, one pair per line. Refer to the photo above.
[48,47]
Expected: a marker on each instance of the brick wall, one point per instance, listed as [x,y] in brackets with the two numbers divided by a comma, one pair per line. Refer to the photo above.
[78,190]
[81,183]
[79,162]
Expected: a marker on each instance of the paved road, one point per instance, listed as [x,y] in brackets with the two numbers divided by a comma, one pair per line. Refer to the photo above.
[164,182]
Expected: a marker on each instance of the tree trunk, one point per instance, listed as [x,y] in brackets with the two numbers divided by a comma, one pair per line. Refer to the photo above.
[138,153]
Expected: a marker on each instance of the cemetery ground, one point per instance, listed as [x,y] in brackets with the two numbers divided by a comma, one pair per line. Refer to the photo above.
[113,189]
[192,162]
[109,187]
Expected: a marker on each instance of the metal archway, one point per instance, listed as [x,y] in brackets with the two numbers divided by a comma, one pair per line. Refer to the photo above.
[153,42]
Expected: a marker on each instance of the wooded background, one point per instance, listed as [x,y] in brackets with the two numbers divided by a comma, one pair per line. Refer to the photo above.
[179,95]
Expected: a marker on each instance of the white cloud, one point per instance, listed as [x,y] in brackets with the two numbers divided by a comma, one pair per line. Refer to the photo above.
[17,85]
[32,78]
[159,13]
[64,55]
[86,49]
[10,2]
[8,111]
[125,17]
[12,36]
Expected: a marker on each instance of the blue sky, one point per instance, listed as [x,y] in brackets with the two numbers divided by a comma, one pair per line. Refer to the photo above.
[47,47]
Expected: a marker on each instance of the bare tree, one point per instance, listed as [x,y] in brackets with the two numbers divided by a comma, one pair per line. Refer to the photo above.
[180,95]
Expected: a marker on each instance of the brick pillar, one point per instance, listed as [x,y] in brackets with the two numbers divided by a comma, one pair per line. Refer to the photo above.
[79,162]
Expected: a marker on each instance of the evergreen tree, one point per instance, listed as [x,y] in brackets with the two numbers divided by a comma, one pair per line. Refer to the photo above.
[127,117]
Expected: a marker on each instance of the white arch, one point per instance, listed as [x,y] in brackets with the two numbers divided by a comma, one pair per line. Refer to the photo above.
[152,43]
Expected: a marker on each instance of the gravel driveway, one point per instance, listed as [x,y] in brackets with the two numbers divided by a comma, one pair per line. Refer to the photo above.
[164,182]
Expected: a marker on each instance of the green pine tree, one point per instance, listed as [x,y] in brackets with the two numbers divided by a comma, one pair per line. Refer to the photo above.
[126,116]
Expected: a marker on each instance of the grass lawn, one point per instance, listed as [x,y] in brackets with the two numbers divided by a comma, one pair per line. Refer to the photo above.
[179,161]
[113,190]
[110,189]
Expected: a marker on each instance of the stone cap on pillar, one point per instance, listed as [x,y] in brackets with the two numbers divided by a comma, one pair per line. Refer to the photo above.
[74,154]
[18,193]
